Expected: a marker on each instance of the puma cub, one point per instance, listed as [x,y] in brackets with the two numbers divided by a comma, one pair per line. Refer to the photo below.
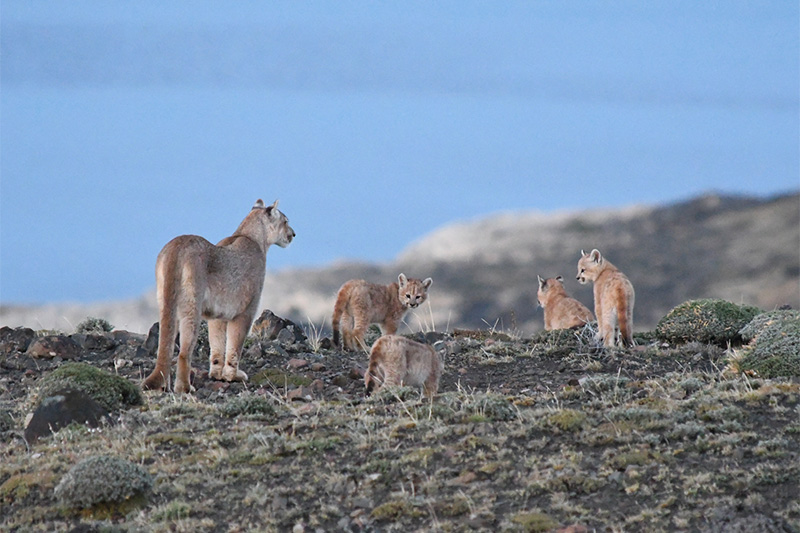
[613,298]
[221,283]
[560,311]
[360,303]
[396,360]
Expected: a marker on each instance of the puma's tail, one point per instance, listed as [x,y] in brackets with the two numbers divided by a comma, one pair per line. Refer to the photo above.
[167,286]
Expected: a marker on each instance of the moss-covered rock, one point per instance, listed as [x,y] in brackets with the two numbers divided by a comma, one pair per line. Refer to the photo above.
[104,480]
[708,321]
[774,349]
[112,392]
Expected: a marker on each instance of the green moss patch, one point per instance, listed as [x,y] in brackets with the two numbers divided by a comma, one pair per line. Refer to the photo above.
[707,321]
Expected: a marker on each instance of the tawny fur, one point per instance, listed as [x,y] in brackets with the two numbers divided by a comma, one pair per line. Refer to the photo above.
[560,311]
[396,360]
[613,298]
[221,283]
[360,303]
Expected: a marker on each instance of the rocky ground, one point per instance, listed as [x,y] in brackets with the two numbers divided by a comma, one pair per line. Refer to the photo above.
[526,434]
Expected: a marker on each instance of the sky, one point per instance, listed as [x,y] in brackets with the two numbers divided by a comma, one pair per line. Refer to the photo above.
[124,124]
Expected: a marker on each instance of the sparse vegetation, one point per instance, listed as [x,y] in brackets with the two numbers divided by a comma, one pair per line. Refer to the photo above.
[525,435]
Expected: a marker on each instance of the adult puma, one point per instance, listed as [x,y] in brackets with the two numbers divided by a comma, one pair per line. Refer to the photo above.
[396,360]
[613,298]
[221,283]
[360,303]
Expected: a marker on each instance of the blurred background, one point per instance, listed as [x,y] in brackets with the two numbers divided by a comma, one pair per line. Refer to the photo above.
[376,124]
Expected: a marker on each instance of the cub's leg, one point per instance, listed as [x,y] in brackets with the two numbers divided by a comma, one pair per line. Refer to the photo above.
[346,328]
[216,341]
[188,330]
[608,329]
[360,325]
[237,331]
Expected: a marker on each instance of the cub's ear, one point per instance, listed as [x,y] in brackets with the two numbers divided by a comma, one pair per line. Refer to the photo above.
[560,279]
[583,254]
[542,282]
[427,282]
[595,256]
[402,279]
[274,204]
[259,204]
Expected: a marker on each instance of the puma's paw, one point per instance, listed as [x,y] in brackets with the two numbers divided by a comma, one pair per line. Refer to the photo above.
[215,371]
[231,373]
[154,381]
[184,388]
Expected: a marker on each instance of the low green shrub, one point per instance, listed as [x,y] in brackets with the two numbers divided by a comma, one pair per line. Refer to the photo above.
[103,480]
[774,349]
[94,325]
[708,321]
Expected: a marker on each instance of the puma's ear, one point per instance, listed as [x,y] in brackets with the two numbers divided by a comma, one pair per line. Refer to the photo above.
[259,204]
[583,254]
[402,279]
[274,204]
[427,282]
[595,256]
[560,279]
[542,282]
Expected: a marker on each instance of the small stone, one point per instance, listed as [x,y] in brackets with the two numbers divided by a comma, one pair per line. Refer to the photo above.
[301,394]
[356,372]
[340,380]
[317,367]
[297,363]
[317,385]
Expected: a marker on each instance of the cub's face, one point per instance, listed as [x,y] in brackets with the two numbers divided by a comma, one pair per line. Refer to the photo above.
[547,287]
[412,292]
[589,266]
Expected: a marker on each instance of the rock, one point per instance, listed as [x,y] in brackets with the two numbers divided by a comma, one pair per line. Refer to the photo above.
[297,363]
[269,326]
[61,409]
[317,367]
[54,346]
[340,380]
[95,342]
[356,372]
[317,385]
[15,340]
[302,394]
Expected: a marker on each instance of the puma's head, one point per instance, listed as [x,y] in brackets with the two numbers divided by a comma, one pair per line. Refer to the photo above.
[412,292]
[589,266]
[278,230]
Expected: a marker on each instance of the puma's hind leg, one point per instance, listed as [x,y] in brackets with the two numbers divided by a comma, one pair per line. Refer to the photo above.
[236,333]
[216,340]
